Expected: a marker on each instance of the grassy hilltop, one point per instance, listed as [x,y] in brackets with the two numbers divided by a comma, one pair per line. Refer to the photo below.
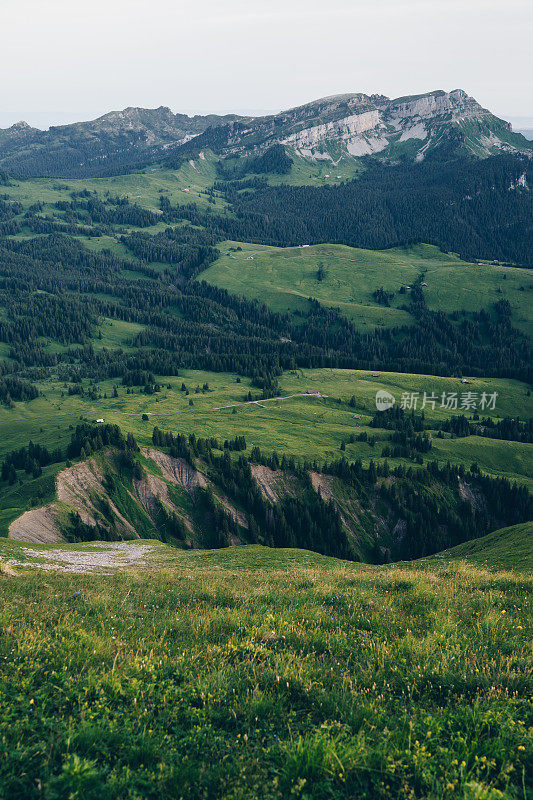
[509,548]
[252,673]
[287,277]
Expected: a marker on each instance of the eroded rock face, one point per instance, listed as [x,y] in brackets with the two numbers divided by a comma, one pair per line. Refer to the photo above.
[381,122]
[38,525]
[79,489]
[80,486]
[343,129]
[176,470]
[456,104]
[268,480]
[361,124]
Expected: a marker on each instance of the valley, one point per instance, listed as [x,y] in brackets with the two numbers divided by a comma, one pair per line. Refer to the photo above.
[135,311]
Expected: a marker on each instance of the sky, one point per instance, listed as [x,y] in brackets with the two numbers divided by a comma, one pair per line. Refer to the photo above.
[67,60]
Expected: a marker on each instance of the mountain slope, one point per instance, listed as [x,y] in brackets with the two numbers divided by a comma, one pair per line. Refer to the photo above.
[116,142]
[356,125]
[194,497]
[347,126]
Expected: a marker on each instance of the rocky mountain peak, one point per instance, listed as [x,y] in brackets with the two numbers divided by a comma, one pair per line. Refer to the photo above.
[21,126]
[349,125]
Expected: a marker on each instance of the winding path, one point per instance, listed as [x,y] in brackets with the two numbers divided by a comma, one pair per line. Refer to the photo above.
[169,413]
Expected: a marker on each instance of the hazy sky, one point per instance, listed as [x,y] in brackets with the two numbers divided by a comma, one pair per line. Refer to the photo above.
[73,59]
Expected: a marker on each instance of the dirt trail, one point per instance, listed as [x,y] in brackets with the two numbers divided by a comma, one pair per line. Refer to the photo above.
[38,525]
[104,556]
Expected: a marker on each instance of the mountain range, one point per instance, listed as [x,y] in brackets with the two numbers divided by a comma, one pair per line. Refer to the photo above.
[347,126]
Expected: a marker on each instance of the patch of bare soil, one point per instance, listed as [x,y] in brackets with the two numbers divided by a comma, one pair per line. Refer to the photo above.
[323,485]
[151,489]
[176,470]
[78,485]
[474,497]
[238,516]
[116,555]
[268,481]
[38,525]
[348,508]
[180,473]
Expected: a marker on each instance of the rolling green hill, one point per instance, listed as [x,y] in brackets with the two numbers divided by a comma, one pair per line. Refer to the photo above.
[303,426]
[185,185]
[509,548]
[257,673]
[122,298]
[285,279]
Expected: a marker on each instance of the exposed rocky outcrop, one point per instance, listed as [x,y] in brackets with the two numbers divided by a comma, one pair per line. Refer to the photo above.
[150,490]
[367,124]
[37,525]
[81,487]
[371,516]
[176,470]
[268,481]
[345,129]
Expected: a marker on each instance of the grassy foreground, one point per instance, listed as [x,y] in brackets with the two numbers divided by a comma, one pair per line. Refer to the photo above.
[251,673]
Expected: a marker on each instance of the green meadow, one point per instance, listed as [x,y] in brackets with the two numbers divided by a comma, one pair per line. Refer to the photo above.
[186,185]
[256,673]
[508,548]
[307,427]
[285,279]
[305,172]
